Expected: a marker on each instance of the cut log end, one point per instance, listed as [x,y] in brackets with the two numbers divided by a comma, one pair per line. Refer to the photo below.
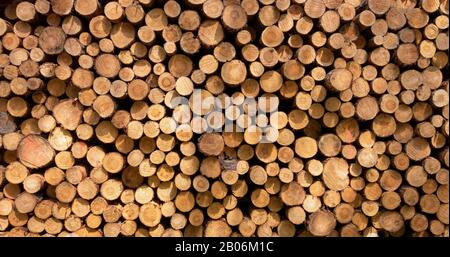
[321,223]
[211,144]
[35,152]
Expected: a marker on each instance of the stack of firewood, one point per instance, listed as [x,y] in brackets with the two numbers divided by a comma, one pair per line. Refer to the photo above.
[224,118]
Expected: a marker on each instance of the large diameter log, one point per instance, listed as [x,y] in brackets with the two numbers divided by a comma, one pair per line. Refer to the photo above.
[107,65]
[51,40]
[211,144]
[335,173]
[35,152]
[234,72]
[68,113]
[339,79]
[150,214]
[321,223]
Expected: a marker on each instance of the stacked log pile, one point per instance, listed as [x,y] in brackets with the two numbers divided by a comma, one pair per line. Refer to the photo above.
[224,118]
